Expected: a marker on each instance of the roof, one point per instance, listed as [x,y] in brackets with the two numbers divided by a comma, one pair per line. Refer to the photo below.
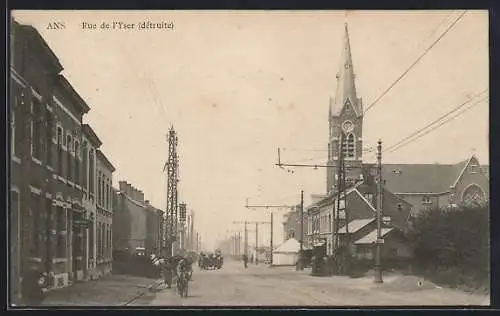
[38,39]
[107,163]
[421,178]
[290,245]
[356,225]
[71,92]
[372,237]
[91,135]
[346,87]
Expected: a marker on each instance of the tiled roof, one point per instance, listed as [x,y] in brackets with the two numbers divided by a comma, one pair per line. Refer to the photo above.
[372,237]
[356,225]
[420,178]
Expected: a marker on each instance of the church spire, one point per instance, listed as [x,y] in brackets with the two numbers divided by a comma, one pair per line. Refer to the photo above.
[346,88]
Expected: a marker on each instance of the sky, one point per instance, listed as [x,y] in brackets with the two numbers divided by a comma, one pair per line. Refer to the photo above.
[237,86]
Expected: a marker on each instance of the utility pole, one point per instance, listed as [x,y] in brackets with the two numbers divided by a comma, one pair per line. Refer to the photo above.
[272,250]
[256,243]
[197,243]
[256,234]
[246,239]
[301,256]
[378,268]
[172,179]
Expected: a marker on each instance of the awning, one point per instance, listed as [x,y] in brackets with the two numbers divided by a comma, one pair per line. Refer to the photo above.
[372,237]
[356,225]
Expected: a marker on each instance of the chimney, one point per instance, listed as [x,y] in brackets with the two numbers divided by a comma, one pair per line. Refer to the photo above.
[141,196]
[129,191]
[123,186]
[147,202]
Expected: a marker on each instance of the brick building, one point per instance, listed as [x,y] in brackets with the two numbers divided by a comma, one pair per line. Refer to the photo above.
[91,143]
[104,215]
[52,173]
[137,223]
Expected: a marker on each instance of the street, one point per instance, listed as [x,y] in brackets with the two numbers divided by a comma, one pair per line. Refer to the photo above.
[283,286]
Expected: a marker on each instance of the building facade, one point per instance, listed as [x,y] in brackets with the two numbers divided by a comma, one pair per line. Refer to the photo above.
[104,215]
[137,222]
[51,169]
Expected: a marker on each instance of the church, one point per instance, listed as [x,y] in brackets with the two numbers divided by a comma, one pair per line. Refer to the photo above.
[408,188]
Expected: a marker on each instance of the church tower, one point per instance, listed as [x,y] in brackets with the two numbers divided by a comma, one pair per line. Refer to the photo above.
[345,117]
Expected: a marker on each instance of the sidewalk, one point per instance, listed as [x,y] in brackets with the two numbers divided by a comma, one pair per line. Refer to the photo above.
[113,290]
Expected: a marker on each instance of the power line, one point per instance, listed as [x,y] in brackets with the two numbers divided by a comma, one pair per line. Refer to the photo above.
[416,61]
[433,122]
[437,126]
[436,28]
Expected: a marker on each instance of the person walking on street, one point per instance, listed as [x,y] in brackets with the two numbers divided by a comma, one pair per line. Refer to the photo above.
[245,260]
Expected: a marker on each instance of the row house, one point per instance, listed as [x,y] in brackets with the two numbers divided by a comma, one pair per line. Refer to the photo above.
[51,173]
[358,203]
[104,215]
[137,224]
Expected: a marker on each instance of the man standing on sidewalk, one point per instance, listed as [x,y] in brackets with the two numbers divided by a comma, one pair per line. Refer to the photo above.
[33,287]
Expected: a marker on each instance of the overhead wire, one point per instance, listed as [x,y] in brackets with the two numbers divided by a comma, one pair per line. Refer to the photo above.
[420,130]
[448,29]
[447,120]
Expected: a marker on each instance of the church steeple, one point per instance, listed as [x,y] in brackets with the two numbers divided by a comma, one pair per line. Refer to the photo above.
[345,121]
[346,87]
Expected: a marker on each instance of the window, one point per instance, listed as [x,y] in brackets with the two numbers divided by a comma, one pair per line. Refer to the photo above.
[35,230]
[348,146]
[77,162]
[102,239]
[13,132]
[36,136]
[69,149]
[60,150]
[107,195]
[473,168]
[98,193]
[426,200]
[85,161]
[60,229]
[91,237]
[99,241]
[18,132]
[48,137]
[91,172]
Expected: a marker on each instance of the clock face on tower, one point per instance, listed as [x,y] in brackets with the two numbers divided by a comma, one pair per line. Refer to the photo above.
[347,126]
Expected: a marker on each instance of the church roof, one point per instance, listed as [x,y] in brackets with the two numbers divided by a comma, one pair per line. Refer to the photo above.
[422,178]
[346,87]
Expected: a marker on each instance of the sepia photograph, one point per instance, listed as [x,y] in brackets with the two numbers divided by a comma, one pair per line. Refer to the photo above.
[232,158]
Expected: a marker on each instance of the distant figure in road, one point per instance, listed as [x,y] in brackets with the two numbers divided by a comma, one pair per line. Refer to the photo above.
[251,258]
[245,260]
[32,287]
[168,272]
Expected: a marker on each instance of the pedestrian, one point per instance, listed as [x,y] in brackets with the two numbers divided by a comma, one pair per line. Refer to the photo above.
[33,287]
[245,260]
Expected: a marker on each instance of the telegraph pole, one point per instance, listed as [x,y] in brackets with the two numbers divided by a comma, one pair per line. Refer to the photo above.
[272,250]
[378,268]
[246,239]
[172,179]
[301,267]
[256,243]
